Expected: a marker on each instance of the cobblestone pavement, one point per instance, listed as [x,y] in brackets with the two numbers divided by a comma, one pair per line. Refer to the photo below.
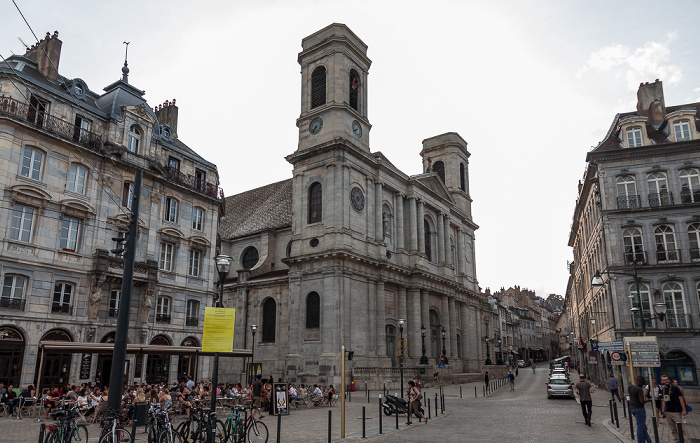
[524,415]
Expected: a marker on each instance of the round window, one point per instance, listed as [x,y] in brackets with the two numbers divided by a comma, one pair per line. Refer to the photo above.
[313,242]
[250,258]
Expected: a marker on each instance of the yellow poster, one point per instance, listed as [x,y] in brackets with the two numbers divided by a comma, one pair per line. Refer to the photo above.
[218,329]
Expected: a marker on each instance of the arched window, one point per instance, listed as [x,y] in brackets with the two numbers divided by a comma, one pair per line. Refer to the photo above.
[673,296]
[157,366]
[694,238]
[646,305]
[250,258]
[318,87]
[269,321]
[315,201]
[439,169]
[354,88]
[391,344]
[428,236]
[634,248]
[658,190]
[11,354]
[313,311]
[690,185]
[462,178]
[627,193]
[56,368]
[665,245]
[134,139]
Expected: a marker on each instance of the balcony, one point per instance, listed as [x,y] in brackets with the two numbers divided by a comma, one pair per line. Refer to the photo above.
[657,199]
[688,197]
[678,321]
[194,183]
[162,318]
[12,303]
[669,256]
[695,255]
[636,257]
[64,129]
[62,308]
[629,202]
[192,321]
[113,312]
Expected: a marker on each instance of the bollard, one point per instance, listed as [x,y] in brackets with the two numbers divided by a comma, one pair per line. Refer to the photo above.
[631,425]
[367,397]
[380,413]
[617,419]
[363,423]
[349,395]
[460,392]
[612,416]
[436,408]
[42,429]
[279,428]
[397,418]
[624,410]
[483,389]
[329,425]
[442,404]
[428,401]
[679,425]
[656,429]
[384,388]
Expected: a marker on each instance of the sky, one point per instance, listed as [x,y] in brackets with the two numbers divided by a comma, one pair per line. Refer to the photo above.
[532,86]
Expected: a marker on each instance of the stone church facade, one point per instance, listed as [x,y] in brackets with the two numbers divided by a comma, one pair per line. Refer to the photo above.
[337,254]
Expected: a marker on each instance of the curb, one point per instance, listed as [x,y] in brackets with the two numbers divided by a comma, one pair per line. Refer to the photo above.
[612,429]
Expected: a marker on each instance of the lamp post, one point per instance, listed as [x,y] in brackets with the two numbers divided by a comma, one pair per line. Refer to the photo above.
[253,330]
[488,352]
[401,322]
[223,266]
[444,351]
[499,356]
[423,358]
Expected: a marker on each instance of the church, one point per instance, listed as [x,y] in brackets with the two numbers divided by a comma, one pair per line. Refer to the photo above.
[350,251]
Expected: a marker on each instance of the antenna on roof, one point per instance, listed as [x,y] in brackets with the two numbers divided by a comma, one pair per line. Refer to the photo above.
[25,45]
[125,69]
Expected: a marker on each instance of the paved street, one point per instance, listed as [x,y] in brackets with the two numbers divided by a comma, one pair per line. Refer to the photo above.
[523,415]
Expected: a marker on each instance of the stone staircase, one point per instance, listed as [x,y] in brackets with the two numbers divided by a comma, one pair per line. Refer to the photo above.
[467,377]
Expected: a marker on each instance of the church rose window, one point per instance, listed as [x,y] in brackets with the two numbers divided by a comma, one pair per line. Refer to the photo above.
[250,258]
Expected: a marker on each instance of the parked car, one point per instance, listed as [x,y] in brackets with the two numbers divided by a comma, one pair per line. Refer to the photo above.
[560,387]
[521,363]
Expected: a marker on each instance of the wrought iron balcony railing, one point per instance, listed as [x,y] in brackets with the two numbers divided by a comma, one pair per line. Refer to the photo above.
[62,128]
[12,303]
[669,256]
[629,202]
[62,308]
[695,255]
[690,197]
[194,183]
[660,199]
[678,321]
[191,321]
[161,318]
[636,257]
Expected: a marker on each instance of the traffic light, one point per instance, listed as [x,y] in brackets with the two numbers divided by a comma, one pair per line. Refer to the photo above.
[351,354]
[623,356]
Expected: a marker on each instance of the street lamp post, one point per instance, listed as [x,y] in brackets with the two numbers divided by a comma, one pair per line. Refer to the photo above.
[253,330]
[401,322]
[223,266]
[444,351]
[423,358]
[488,352]
[499,356]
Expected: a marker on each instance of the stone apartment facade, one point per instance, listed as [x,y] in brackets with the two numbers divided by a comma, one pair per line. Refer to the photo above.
[638,210]
[337,254]
[67,161]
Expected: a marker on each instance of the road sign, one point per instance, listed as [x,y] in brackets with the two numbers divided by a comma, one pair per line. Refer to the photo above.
[593,361]
[441,365]
[399,342]
[644,351]
[591,353]
[615,359]
[611,345]
[442,359]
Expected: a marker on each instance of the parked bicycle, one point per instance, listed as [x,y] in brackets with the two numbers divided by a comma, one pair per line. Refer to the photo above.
[197,428]
[112,430]
[159,427]
[241,427]
[66,430]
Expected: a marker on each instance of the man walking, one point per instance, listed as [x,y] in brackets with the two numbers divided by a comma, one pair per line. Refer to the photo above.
[511,379]
[584,390]
[673,407]
[486,380]
[638,398]
[614,387]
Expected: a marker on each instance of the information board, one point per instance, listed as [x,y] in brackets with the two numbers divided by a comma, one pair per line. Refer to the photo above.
[280,398]
[644,351]
[85,365]
[218,329]
[611,345]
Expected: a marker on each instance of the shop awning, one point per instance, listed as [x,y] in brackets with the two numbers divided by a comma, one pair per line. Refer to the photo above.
[69,347]
[515,352]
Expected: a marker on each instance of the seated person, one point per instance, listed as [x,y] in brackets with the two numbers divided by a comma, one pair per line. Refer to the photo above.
[317,395]
[10,399]
[83,402]
[26,399]
[52,400]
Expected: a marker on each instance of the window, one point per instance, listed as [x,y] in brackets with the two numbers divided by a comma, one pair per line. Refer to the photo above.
[694,237]
[627,193]
[128,195]
[665,245]
[197,217]
[118,245]
[634,137]
[658,190]
[192,314]
[673,296]
[114,298]
[439,169]
[354,89]
[200,179]
[32,160]
[427,236]
[690,185]
[166,256]
[134,139]
[22,220]
[13,288]
[62,293]
[81,130]
[76,179]
[634,248]
[318,87]
[70,228]
[462,178]
[170,210]
[173,163]
[193,266]
[37,110]
[249,258]
[269,315]
[682,130]
[315,200]
[313,311]
[163,309]
[646,305]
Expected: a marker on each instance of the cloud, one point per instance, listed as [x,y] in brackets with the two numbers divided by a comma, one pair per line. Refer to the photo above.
[635,65]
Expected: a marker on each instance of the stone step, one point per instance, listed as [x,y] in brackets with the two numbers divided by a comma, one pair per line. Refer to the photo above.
[467,377]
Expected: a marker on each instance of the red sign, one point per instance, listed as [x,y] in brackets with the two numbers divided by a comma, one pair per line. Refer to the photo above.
[442,358]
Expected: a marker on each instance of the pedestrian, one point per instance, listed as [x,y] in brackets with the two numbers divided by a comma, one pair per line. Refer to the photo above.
[486,380]
[614,387]
[584,391]
[656,392]
[638,397]
[414,397]
[511,380]
[516,370]
[673,407]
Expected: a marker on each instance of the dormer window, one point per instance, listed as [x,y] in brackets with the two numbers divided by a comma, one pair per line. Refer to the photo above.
[134,139]
[681,129]
[634,137]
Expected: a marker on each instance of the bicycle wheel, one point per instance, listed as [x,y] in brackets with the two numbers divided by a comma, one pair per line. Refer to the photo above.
[51,437]
[169,435]
[80,434]
[257,432]
[221,436]
[152,437]
[119,436]
[183,429]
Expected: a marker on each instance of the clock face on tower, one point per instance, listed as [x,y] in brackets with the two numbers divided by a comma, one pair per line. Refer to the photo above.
[357,198]
[316,125]
[356,128]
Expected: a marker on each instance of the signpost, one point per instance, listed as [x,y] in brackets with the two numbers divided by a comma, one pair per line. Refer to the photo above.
[644,351]
[218,329]
[612,345]
[616,359]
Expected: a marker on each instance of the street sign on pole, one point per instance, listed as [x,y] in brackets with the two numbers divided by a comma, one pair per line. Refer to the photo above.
[644,351]
[611,345]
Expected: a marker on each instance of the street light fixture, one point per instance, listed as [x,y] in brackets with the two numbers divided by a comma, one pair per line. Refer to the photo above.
[253,329]
[444,351]
[223,266]
[499,355]
[488,352]
[401,322]
[423,358]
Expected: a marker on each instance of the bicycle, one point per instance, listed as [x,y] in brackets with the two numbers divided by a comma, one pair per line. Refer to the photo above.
[160,428]
[241,428]
[197,428]
[66,430]
[112,431]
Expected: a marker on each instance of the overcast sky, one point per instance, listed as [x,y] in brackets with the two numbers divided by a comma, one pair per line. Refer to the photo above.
[531,86]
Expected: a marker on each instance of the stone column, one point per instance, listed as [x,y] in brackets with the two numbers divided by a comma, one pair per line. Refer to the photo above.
[421,227]
[453,326]
[467,338]
[402,311]
[413,320]
[370,330]
[381,320]
[399,222]
[441,239]
[460,252]
[424,308]
[378,225]
[412,227]
[295,327]
[299,203]
[346,195]
[480,334]
[369,211]
[329,315]
[446,323]
[448,244]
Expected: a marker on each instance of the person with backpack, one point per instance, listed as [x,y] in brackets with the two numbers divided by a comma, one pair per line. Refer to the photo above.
[414,397]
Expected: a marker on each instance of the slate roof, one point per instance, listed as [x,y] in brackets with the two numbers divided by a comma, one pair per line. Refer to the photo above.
[258,210]
[659,136]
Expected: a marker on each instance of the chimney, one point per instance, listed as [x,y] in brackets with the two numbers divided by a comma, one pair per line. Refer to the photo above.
[167,114]
[47,54]
[650,102]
